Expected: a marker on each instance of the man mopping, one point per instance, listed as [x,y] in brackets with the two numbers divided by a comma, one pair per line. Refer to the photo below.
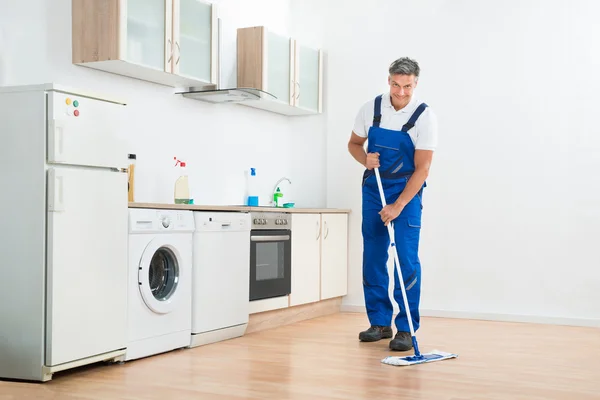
[402,135]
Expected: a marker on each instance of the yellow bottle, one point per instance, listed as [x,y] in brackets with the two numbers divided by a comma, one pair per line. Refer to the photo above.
[182,189]
[130,178]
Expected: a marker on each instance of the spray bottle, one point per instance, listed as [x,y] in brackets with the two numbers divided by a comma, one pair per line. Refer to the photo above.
[182,189]
[252,189]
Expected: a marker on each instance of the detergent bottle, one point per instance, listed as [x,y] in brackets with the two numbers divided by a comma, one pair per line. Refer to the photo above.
[252,189]
[182,188]
[277,198]
[131,178]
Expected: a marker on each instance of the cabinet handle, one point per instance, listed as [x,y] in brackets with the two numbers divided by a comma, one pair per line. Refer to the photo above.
[178,52]
[170,50]
[326,230]
[318,231]
[298,96]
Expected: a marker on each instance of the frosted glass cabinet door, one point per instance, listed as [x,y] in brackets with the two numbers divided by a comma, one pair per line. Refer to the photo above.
[147,30]
[193,39]
[278,66]
[308,78]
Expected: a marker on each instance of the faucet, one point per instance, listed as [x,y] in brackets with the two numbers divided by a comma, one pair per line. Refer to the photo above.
[275,188]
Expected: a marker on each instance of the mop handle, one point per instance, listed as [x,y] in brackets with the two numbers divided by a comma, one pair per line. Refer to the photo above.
[397,263]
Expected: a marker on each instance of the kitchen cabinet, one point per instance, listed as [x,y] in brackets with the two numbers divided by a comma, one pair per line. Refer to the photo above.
[306,258]
[169,42]
[319,257]
[334,255]
[283,67]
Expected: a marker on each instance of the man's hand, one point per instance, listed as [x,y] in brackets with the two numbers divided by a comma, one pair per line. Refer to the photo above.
[390,212]
[372,161]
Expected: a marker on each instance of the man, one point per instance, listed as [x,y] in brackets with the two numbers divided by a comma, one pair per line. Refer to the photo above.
[402,134]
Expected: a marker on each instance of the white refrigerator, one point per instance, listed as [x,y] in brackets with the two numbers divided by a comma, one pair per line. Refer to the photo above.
[63,242]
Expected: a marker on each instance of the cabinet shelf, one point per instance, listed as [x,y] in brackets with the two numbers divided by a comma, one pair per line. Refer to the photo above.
[107,35]
[143,24]
[282,66]
[203,42]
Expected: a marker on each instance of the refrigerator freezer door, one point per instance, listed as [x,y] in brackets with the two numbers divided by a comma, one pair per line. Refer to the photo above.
[87,263]
[85,131]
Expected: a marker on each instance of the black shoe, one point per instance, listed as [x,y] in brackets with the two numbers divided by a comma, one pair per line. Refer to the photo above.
[375,333]
[402,342]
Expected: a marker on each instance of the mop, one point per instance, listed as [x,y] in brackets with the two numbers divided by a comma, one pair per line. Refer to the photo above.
[417,358]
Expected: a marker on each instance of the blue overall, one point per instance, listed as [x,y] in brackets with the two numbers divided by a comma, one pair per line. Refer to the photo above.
[396,159]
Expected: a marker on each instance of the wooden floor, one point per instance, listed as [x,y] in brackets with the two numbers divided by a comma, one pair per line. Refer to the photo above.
[323,359]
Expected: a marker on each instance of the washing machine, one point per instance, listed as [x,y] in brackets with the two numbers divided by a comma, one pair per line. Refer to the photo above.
[160,281]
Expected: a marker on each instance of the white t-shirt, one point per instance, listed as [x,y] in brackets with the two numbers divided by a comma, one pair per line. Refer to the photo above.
[424,134]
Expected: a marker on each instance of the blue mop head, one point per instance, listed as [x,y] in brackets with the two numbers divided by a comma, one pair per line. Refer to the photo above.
[435,355]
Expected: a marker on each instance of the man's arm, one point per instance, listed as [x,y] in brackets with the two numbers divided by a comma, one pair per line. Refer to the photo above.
[415,183]
[356,148]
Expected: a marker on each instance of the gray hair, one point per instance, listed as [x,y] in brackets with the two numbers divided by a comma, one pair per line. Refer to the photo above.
[405,66]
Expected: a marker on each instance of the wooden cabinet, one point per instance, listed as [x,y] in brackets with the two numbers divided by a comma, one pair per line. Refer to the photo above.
[283,67]
[319,257]
[170,42]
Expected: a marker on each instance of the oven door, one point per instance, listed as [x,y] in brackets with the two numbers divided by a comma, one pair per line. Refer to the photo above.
[270,263]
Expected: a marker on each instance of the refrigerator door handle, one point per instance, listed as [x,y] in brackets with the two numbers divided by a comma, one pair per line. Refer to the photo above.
[55,191]
[55,140]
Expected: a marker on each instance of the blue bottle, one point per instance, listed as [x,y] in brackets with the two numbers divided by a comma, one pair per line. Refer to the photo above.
[252,189]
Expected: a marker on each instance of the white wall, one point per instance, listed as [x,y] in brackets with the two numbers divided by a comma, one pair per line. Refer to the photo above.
[511,215]
[35,47]
[512,212]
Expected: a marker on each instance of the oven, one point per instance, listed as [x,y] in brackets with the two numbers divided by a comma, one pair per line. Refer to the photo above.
[270,255]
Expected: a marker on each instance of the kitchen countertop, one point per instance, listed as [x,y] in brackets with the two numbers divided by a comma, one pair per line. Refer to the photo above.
[200,207]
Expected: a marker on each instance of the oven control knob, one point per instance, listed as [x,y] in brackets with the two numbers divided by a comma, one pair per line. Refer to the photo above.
[256,221]
[264,221]
[285,222]
[278,222]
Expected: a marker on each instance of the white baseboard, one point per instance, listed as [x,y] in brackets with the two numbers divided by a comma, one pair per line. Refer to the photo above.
[351,308]
[534,319]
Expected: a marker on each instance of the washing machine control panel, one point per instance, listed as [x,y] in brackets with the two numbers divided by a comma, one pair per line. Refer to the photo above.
[154,220]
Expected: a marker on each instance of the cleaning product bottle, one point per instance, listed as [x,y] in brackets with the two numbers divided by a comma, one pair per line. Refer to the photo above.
[252,189]
[131,178]
[182,189]
[276,197]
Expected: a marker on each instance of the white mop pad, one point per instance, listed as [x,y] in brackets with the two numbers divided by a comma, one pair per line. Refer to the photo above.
[435,355]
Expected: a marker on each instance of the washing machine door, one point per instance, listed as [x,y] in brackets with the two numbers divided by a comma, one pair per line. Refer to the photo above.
[159,275]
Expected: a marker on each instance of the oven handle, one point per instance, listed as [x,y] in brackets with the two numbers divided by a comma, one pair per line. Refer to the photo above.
[269,238]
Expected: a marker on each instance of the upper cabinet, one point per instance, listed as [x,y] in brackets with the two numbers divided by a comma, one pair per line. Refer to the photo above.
[170,42]
[283,67]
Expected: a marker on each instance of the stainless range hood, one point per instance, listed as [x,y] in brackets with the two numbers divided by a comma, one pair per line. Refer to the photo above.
[217,95]
[235,95]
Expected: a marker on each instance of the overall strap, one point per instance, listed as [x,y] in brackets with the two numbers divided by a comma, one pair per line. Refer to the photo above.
[377,111]
[413,119]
